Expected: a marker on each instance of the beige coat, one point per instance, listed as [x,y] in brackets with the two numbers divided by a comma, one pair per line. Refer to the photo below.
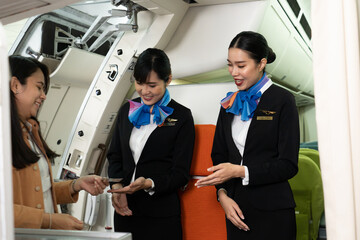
[28,194]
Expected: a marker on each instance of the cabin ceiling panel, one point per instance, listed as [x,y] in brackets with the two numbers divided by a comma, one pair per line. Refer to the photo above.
[10,7]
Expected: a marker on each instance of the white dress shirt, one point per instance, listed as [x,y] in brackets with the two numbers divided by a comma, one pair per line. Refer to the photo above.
[239,130]
[138,139]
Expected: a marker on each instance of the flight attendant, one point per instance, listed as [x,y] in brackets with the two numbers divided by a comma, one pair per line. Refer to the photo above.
[255,149]
[151,149]
[35,194]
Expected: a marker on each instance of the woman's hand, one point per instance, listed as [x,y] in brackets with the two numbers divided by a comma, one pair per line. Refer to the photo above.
[221,173]
[119,202]
[232,211]
[65,221]
[92,184]
[138,184]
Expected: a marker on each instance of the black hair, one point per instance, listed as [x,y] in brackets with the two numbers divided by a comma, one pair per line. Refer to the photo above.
[22,68]
[255,44]
[152,59]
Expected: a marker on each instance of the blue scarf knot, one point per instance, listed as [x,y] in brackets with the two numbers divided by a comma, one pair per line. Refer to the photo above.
[139,113]
[244,102]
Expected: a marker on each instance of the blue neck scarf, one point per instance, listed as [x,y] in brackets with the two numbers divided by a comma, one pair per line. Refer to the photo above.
[139,113]
[244,102]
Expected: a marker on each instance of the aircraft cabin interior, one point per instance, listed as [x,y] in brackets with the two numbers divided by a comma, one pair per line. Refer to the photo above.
[91,47]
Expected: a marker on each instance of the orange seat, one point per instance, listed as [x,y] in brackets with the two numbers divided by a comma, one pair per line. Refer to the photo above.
[201,214]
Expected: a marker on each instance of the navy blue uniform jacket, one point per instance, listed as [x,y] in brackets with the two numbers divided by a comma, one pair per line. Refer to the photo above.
[270,153]
[166,159]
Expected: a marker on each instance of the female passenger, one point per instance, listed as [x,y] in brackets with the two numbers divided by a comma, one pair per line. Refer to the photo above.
[255,149]
[151,150]
[35,194]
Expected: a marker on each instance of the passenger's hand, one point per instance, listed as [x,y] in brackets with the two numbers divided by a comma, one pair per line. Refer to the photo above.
[138,184]
[233,212]
[221,173]
[119,202]
[93,184]
[65,221]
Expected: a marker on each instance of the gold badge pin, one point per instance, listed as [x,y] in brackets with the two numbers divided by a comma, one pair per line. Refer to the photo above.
[267,112]
[171,120]
[264,118]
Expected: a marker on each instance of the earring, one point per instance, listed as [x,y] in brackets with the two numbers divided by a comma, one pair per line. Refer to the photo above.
[17,92]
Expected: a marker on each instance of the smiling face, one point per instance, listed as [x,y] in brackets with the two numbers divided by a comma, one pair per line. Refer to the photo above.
[29,96]
[245,70]
[153,90]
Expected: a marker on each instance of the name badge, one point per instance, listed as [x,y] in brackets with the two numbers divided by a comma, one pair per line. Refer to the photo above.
[170,122]
[264,118]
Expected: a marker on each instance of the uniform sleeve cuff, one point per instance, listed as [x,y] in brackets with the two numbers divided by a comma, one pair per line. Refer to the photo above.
[150,190]
[245,180]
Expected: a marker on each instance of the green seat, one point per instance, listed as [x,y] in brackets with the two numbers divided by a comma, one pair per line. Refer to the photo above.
[302,225]
[309,198]
[312,154]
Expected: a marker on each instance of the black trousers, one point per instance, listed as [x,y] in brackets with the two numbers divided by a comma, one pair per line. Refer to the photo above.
[148,228]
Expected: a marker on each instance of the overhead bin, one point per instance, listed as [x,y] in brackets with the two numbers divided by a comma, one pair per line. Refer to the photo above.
[293,65]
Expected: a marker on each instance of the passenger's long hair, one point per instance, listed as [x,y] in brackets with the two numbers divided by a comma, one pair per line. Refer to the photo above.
[22,68]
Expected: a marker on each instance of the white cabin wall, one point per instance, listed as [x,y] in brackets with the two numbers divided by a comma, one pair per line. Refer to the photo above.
[200,42]
[12,31]
[202,99]
[308,129]
[57,119]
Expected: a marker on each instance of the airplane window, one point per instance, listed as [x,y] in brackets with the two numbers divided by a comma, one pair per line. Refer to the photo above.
[304,23]
[294,6]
